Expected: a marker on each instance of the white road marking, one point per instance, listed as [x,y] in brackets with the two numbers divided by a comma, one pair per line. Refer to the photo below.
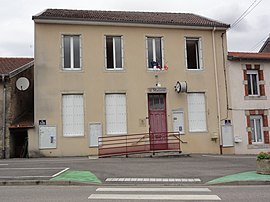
[3,164]
[141,189]
[31,168]
[153,197]
[29,176]
[187,180]
[232,156]
[26,176]
[60,172]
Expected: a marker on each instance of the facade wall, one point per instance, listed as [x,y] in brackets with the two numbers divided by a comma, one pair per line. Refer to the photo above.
[1,118]
[17,104]
[94,81]
[242,106]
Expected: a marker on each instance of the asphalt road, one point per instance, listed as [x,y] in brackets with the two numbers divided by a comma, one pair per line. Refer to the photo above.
[117,193]
[204,167]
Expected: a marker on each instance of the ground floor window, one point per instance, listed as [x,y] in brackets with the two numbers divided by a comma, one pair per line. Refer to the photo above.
[257,126]
[72,115]
[116,120]
[256,129]
[196,112]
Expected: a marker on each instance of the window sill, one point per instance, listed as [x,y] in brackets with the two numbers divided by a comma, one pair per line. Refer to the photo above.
[258,146]
[72,136]
[196,132]
[194,69]
[114,70]
[72,70]
[255,97]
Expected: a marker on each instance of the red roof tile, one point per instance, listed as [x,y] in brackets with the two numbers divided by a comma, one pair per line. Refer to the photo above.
[159,18]
[246,56]
[7,65]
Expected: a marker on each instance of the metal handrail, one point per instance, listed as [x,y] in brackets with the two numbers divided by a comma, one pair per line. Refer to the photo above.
[140,142]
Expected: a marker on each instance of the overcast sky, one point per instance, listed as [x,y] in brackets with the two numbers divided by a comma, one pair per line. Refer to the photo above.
[17,27]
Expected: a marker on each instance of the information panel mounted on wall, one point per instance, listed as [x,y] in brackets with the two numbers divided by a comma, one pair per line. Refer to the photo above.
[178,121]
[227,135]
[95,131]
[47,137]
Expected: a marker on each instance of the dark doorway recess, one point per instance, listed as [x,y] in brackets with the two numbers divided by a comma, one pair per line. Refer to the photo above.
[18,143]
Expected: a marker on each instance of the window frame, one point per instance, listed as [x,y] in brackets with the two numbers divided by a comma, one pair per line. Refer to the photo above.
[199,53]
[249,76]
[154,56]
[114,57]
[81,134]
[253,119]
[72,59]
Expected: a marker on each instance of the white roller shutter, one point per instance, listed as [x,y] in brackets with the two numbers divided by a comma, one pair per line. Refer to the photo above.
[116,122]
[72,115]
[196,112]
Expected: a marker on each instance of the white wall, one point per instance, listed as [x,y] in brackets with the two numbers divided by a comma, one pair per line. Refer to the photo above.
[239,104]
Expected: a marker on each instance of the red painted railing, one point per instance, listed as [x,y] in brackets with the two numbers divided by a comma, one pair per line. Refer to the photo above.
[139,143]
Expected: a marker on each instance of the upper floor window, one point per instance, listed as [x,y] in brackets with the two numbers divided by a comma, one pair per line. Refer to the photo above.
[154,52]
[71,52]
[253,82]
[193,52]
[114,52]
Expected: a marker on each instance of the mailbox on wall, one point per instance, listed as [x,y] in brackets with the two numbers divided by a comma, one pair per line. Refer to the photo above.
[178,121]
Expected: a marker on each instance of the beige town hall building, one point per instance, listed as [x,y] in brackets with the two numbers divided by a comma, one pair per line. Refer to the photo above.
[114,73]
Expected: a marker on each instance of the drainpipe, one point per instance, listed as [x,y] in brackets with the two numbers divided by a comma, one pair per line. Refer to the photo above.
[217,88]
[4,118]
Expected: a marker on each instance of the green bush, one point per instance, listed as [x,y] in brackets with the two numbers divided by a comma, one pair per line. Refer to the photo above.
[263,155]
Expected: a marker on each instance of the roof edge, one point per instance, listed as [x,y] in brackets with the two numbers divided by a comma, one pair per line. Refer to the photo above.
[100,23]
[40,17]
[21,69]
[245,56]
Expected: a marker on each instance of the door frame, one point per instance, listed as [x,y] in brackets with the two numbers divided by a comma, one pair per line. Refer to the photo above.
[152,135]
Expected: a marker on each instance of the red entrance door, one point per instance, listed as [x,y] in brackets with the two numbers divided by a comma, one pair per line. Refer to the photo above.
[157,121]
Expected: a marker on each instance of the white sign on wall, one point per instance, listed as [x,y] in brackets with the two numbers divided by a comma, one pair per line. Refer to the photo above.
[95,131]
[178,121]
[47,137]
[227,135]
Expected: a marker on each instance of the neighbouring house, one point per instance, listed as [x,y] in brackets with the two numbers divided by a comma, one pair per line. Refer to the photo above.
[249,85]
[115,73]
[266,46]
[17,104]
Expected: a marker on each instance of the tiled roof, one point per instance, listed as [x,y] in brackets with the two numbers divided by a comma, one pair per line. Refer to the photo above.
[8,65]
[157,18]
[248,56]
[266,46]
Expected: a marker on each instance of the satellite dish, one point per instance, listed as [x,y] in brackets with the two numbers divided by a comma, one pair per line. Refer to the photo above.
[22,83]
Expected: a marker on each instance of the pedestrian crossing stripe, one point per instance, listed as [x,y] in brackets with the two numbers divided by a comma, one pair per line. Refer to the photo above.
[154,197]
[151,189]
[186,180]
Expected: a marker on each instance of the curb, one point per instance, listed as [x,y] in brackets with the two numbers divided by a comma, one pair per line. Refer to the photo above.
[78,183]
[44,182]
[249,182]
